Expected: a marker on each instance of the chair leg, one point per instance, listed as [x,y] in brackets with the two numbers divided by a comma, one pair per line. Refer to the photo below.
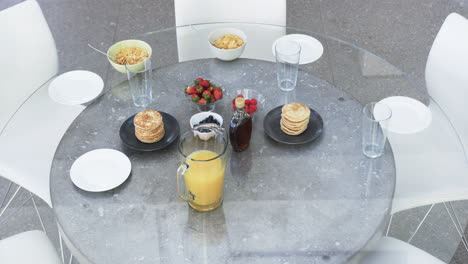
[9,201]
[420,224]
[37,212]
[389,224]
[456,223]
[6,194]
[61,248]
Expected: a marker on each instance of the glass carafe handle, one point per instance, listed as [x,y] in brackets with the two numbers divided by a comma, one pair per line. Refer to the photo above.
[181,187]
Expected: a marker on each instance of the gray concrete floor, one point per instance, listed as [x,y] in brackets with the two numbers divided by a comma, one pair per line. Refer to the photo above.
[400,31]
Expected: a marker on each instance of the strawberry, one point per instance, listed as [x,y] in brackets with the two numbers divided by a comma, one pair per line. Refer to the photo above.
[247,102]
[211,89]
[253,101]
[205,84]
[240,95]
[202,101]
[190,90]
[199,89]
[253,108]
[217,88]
[234,104]
[206,94]
[195,98]
[197,81]
[218,94]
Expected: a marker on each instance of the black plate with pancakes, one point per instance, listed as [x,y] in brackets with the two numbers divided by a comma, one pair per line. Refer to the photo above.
[272,127]
[171,127]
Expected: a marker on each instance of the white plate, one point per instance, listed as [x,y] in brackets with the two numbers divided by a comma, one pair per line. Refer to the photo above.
[311,48]
[76,87]
[100,170]
[408,115]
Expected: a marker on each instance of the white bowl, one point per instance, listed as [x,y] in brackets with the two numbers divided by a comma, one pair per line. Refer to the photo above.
[197,118]
[114,49]
[226,54]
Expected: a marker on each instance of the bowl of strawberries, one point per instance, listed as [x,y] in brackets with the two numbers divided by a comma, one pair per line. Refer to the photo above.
[204,94]
[254,101]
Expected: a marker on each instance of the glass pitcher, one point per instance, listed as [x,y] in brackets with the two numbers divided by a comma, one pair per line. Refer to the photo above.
[200,177]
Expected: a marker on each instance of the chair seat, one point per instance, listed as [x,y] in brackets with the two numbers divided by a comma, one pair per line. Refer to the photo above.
[30,247]
[393,251]
[430,165]
[29,141]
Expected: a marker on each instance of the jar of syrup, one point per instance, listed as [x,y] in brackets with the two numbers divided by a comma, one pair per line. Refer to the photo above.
[240,129]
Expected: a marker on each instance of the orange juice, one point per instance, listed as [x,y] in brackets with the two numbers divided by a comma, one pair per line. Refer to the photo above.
[204,179]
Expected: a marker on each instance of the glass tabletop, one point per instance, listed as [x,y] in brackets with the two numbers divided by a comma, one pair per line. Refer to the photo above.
[320,202]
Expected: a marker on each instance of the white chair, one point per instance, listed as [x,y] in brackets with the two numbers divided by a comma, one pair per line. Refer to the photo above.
[31,124]
[28,248]
[189,12]
[431,166]
[393,251]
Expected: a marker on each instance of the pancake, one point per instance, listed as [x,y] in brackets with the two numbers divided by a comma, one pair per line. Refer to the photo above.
[295,112]
[147,120]
[149,126]
[294,118]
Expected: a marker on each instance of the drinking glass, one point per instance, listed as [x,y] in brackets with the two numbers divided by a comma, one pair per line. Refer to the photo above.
[141,82]
[374,116]
[200,177]
[287,63]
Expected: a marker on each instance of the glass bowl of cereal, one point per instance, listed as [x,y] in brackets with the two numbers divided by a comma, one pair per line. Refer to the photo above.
[132,52]
[227,44]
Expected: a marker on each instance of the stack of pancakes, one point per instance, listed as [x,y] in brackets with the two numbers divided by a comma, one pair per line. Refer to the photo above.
[294,118]
[149,126]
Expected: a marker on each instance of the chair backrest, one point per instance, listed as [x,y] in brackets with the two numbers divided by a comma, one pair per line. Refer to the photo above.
[188,12]
[28,58]
[447,73]
[254,11]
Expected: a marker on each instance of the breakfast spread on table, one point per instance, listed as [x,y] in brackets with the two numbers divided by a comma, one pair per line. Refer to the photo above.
[149,126]
[228,41]
[204,146]
[294,118]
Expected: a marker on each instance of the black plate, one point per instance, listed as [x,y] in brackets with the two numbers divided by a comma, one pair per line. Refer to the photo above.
[272,127]
[171,127]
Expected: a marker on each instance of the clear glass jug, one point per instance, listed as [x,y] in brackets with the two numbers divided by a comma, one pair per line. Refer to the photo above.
[200,177]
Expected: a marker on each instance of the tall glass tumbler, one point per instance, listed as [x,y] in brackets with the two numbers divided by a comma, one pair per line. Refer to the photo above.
[141,82]
[287,63]
[374,116]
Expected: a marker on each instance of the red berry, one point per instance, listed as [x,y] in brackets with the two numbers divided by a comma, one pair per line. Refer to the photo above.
[253,101]
[190,90]
[234,107]
[218,95]
[247,102]
[199,89]
[202,101]
[195,98]
[205,84]
[240,95]
[253,108]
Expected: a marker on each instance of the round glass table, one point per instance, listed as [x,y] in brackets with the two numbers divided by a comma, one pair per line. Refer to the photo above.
[320,202]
